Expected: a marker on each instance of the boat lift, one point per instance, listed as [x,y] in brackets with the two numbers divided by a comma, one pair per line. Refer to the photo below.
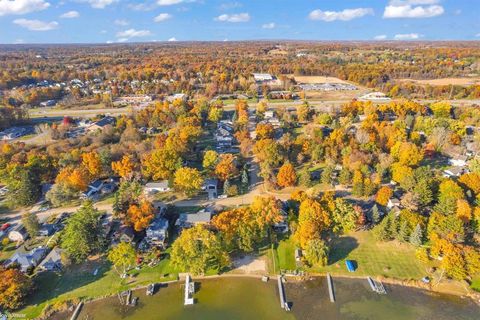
[189,291]
[376,286]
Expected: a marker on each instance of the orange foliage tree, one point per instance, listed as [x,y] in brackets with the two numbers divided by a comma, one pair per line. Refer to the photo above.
[92,163]
[124,168]
[140,216]
[14,287]
[286,176]
[226,167]
[383,195]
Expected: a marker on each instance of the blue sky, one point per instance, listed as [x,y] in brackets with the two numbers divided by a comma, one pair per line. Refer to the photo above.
[101,21]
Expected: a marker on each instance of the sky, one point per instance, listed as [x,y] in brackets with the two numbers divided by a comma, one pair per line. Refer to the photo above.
[112,21]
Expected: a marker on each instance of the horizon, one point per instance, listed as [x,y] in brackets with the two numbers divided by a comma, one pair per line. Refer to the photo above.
[124,21]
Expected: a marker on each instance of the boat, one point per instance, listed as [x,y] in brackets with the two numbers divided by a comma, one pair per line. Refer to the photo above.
[151,289]
[350,265]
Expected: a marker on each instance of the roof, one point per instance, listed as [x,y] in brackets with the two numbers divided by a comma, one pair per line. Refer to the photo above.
[105,121]
[202,216]
[28,259]
[154,185]
[158,224]
[52,260]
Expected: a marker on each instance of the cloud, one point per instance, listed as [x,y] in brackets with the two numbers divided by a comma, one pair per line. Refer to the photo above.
[36,25]
[407,36]
[70,15]
[169,2]
[237,17]
[230,5]
[270,25]
[99,4]
[132,33]
[345,15]
[141,6]
[121,22]
[380,37]
[413,9]
[477,35]
[173,39]
[8,7]
[162,17]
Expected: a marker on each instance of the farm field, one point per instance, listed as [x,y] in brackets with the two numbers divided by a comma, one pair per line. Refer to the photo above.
[445,81]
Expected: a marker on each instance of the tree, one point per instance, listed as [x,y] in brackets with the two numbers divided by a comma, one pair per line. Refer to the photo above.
[264,131]
[197,250]
[226,167]
[31,223]
[327,174]
[407,153]
[210,159]
[14,287]
[124,168]
[316,253]
[383,195]
[140,216]
[313,219]
[375,214]
[24,187]
[92,163]
[61,194]
[286,176]
[161,164]
[441,109]
[83,233]
[383,231]
[122,256]
[188,180]
[416,238]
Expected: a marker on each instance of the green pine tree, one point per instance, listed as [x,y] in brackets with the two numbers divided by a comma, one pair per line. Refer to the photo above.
[375,214]
[416,236]
[403,232]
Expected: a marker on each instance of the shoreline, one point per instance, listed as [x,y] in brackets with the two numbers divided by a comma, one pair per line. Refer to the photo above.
[414,284]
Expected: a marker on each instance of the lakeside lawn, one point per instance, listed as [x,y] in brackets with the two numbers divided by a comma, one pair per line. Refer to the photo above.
[389,259]
[79,281]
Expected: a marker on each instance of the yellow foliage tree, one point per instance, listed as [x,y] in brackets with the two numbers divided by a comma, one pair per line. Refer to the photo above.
[124,168]
[140,216]
[313,219]
[188,180]
[92,163]
[383,195]
[226,167]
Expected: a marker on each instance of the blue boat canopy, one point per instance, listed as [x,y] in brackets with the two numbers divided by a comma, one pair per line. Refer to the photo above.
[350,265]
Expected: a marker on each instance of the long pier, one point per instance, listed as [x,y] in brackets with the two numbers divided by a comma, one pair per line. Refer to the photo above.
[281,293]
[330,288]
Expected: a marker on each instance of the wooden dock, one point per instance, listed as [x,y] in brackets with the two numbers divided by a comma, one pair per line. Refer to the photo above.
[189,289]
[331,291]
[376,286]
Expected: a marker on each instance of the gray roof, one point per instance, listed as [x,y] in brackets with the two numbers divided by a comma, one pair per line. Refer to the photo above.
[53,260]
[28,259]
[161,184]
[194,218]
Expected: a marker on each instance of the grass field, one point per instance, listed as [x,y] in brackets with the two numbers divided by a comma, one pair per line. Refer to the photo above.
[316,79]
[389,259]
[79,282]
[476,284]
[445,81]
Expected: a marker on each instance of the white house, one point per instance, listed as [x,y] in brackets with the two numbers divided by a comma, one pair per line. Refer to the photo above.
[375,96]
[154,187]
[262,77]
[393,202]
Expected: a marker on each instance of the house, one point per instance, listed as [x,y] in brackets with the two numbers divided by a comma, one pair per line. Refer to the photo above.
[157,231]
[13,133]
[100,124]
[18,234]
[393,202]
[93,188]
[375,96]
[453,172]
[262,77]
[48,103]
[27,260]
[188,220]
[269,114]
[282,225]
[211,187]
[177,96]
[154,187]
[52,262]
[458,160]
[47,230]
[125,234]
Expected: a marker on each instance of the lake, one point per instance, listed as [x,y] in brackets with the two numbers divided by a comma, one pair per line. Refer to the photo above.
[248,298]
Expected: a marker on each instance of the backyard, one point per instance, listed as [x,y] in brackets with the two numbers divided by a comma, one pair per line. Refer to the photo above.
[389,259]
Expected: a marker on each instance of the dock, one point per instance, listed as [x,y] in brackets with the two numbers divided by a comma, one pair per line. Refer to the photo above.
[376,286]
[281,293]
[189,290]
[330,288]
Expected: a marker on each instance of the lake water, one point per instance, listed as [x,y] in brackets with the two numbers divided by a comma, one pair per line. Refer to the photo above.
[246,298]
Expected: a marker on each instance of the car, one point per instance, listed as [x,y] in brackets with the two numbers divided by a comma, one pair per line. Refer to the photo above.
[223,196]
[5,226]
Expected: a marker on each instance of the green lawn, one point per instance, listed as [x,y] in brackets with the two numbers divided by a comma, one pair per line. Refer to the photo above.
[389,259]
[476,284]
[79,282]
[7,251]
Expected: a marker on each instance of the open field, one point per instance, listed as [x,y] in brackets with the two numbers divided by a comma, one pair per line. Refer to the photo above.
[316,79]
[389,259]
[445,81]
